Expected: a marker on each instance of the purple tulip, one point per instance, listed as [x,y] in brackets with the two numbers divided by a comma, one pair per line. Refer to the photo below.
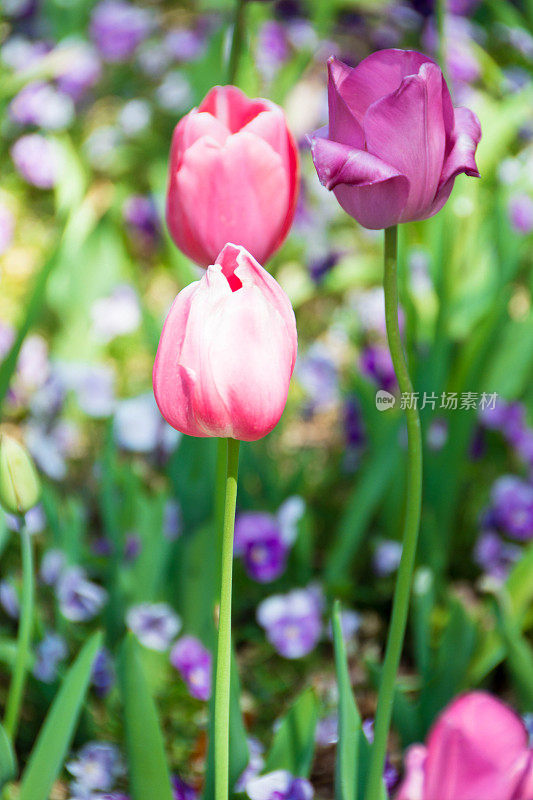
[395,143]
[154,624]
[118,28]
[193,661]
[521,213]
[79,599]
[36,160]
[512,507]
[279,785]
[293,621]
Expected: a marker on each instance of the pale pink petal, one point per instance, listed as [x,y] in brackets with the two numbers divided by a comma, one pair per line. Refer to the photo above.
[406,129]
[236,262]
[412,787]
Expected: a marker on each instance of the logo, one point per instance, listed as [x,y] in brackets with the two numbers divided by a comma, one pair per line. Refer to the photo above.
[384,400]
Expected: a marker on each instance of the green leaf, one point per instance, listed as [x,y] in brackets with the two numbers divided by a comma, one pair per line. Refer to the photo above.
[55,736]
[519,651]
[8,761]
[372,482]
[147,763]
[350,730]
[293,746]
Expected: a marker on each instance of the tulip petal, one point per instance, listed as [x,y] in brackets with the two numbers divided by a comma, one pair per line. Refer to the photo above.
[475,750]
[366,187]
[251,363]
[226,193]
[376,76]
[412,787]
[232,107]
[237,261]
[343,125]
[461,158]
[406,129]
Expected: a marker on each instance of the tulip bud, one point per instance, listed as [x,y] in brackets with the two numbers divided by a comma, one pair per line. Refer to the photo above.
[227,352]
[233,177]
[19,483]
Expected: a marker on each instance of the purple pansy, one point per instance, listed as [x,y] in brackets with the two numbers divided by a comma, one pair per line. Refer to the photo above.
[390,773]
[376,363]
[49,653]
[293,621]
[183,44]
[82,68]
[103,673]
[41,104]
[117,314]
[494,555]
[142,218]
[263,540]
[139,427]
[154,624]
[79,598]
[255,764]
[193,661]
[512,507]
[279,785]
[9,599]
[52,565]
[318,375]
[521,213]
[118,28]
[387,557]
[96,766]
[182,790]
[36,159]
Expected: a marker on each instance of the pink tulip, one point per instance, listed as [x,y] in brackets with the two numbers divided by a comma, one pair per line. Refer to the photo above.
[233,177]
[395,143]
[477,750]
[227,352]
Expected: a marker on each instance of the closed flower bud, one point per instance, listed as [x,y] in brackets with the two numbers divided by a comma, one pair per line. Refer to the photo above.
[19,483]
[227,352]
[233,177]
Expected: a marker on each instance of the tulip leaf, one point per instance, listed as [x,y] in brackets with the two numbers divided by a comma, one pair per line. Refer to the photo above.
[8,761]
[350,730]
[147,763]
[53,742]
[519,652]
[293,746]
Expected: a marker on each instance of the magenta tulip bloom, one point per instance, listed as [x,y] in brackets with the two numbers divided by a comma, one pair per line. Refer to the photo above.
[395,143]
[477,750]
[227,352]
[233,177]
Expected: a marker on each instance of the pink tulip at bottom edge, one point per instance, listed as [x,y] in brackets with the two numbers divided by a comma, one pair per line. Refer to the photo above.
[478,749]
[227,352]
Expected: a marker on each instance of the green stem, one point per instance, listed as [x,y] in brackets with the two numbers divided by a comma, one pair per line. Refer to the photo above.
[220,499]
[18,680]
[440,13]
[411,525]
[223,672]
[236,41]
